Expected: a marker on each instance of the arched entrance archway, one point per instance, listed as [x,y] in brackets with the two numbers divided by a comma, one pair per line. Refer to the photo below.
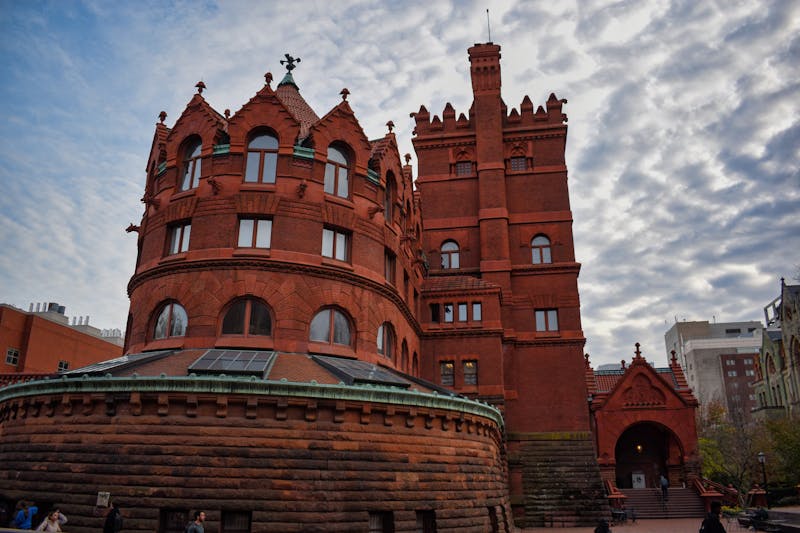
[643,452]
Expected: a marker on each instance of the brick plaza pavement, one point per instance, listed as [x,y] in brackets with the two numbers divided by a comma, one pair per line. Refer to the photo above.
[674,525]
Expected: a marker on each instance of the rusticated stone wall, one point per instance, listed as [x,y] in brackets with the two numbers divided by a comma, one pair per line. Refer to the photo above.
[299,457]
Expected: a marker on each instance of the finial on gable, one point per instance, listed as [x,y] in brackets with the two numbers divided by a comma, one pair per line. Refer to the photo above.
[162,116]
[344,92]
[227,113]
[623,364]
[267,78]
[390,125]
[674,357]
[200,86]
[586,359]
[407,157]
[638,353]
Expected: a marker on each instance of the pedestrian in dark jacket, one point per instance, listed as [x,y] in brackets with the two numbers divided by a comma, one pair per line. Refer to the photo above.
[113,522]
[712,523]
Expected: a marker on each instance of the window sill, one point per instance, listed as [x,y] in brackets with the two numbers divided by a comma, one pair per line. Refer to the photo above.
[234,341]
[174,258]
[547,334]
[328,261]
[256,186]
[183,194]
[330,349]
[345,202]
[251,252]
[165,344]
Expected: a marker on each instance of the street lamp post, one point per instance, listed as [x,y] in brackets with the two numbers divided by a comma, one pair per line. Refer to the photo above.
[762,459]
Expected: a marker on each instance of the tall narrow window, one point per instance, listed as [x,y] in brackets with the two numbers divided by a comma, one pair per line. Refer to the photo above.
[255,233]
[540,250]
[191,166]
[335,244]
[448,313]
[462,312]
[546,320]
[476,312]
[171,322]
[389,266]
[435,316]
[330,326]
[388,198]
[447,373]
[262,160]
[336,179]
[247,317]
[470,372]
[179,238]
[386,340]
[450,254]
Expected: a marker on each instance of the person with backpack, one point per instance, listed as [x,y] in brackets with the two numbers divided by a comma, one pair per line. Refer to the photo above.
[113,522]
[712,523]
[196,526]
[51,524]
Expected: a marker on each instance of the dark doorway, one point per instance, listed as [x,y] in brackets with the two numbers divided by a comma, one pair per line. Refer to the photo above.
[641,455]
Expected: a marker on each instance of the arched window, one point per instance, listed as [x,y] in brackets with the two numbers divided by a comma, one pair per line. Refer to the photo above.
[415,365]
[388,199]
[262,159]
[247,317]
[330,326]
[386,340]
[191,165]
[450,255]
[336,180]
[171,322]
[540,250]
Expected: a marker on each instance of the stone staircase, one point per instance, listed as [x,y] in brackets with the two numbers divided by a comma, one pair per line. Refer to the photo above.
[682,503]
[562,483]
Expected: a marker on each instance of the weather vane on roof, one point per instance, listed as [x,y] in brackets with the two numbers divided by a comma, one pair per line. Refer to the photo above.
[290,62]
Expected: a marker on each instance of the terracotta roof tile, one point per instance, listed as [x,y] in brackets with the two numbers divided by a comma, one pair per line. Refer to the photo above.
[298,107]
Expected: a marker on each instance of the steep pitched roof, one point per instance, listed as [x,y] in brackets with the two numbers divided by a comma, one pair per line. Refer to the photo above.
[289,95]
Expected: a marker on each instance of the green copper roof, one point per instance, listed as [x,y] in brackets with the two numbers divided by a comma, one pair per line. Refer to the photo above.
[288,80]
[223,384]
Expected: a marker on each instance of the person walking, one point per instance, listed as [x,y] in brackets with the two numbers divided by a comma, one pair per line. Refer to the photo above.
[113,521]
[664,486]
[712,523]
[197,525]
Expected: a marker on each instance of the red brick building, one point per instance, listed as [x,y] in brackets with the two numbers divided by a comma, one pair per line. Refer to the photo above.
[301,318]
[44,342]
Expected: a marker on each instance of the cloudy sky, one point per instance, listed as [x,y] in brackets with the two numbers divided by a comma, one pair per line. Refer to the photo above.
[683,144]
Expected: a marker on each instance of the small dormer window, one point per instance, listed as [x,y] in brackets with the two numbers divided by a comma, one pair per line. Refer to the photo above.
[463,168]
[191,165]
[336,173]
[262,160]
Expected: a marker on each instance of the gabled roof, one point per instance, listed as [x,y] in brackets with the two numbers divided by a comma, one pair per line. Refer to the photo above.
[603,384]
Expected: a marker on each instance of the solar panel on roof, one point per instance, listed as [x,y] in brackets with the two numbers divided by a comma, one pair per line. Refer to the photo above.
[233,362]
[118,363]
[354,371]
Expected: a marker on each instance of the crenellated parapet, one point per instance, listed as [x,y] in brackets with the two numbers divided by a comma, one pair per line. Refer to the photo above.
[523,117]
